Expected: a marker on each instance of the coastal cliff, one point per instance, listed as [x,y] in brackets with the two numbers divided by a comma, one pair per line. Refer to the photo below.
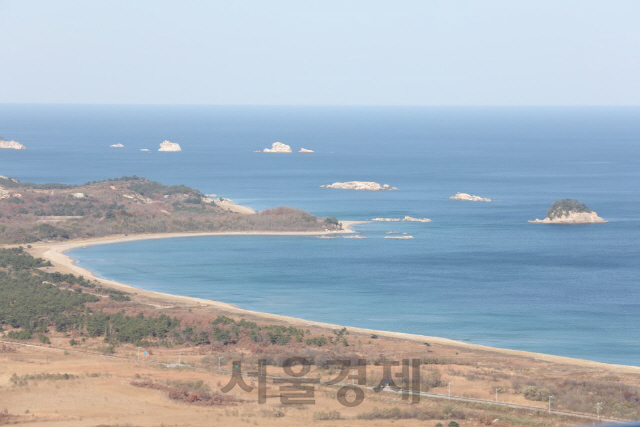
[359,186]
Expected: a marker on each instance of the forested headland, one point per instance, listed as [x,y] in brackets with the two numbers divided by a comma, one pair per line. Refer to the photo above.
[129,205]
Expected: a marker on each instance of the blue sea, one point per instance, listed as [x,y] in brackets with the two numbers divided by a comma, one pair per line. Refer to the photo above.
[478,273]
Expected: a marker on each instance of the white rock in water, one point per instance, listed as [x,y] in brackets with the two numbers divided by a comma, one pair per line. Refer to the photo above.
[278,147]
[359,186]
[304,150]
[11,145]
[169,146]
[469,198]
[410,219]
[405,219]
[572,218]
[116,145]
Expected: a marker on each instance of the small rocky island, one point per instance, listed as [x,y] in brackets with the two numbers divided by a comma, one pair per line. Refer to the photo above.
[278,147]
[469,198]
[569,211]
[169,146]
[12,145]
[359,186]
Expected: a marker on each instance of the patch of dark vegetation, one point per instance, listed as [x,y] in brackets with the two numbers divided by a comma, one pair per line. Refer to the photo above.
[618,400]
[7,418]
[229,331]
[417,413]
[14,183]
[18,259]
[193,392]
[155,189]
[23,380]
[564,207]
[33,301]
[327,416]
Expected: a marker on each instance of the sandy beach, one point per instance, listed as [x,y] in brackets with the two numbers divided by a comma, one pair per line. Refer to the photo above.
[56,253]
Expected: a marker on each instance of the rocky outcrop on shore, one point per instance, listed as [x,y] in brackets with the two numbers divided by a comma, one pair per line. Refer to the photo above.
[6,194]
[469,198]
[232,206]
[12,145]
[278,147]
[169,146]
[359,186]
[572,218]
[405,219]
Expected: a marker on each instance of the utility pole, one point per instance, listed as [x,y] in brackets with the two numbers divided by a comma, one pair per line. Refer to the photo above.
[497,390]
[550,397]
[598,408]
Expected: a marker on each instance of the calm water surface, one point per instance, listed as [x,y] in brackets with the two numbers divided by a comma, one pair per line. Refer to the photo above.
[479,272]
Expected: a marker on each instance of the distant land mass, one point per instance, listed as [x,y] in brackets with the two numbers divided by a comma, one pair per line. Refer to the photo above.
[131,205]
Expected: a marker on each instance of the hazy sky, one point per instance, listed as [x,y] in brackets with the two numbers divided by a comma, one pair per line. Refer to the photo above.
[320,52]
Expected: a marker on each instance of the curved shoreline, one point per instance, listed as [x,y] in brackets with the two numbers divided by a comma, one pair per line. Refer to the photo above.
[55,252]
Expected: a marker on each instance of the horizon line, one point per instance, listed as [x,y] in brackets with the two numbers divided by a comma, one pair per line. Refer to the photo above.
[316,105]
